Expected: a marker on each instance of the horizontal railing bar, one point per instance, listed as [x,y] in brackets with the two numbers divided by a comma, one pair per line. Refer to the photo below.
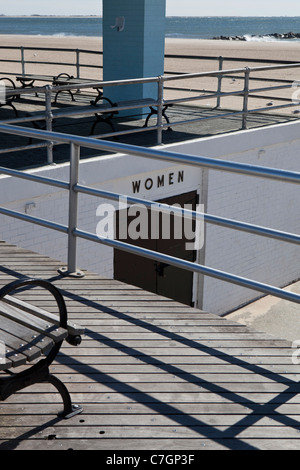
[9,60]
[222,94]
[99,109]
[167,56]
[215,220]
[189,90]
[230,71]
[37,117]
[100,84]
[231,113]
[230,59]
[24,147]
[261,79]
[53,49]
[269,108]
[190,266]
[91,66]
[67,64]
[42,62]
[134,130]
[204,97]
[35,178]
[271,97]
[213,94]
[255,79]
[214,73]
[34,220]
[144,152]
[270,88]
[88,84]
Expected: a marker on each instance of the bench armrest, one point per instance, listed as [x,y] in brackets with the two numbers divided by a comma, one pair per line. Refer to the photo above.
[72,338]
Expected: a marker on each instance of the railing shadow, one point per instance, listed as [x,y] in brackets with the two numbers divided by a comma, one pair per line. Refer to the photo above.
[228,438]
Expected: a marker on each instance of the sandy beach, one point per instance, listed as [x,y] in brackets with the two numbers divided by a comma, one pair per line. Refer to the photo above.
[255,50]
[248,49]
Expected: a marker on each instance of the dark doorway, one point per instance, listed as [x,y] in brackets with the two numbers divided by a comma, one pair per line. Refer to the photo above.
[162,279]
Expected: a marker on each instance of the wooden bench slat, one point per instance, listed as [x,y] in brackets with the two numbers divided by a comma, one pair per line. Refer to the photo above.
[33,323]
[30,340]
[12,353]
[5,364]
[28,76]
[73,328]
[18,335]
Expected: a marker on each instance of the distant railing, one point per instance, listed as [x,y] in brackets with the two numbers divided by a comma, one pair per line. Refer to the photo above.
[76,65]
[74,62]
[245,92]
[73,232]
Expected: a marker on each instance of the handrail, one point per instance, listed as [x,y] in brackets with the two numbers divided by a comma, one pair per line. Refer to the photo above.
[246,92]
[75,189]
[230,71]
[79,51]
[74,64]
[145,152]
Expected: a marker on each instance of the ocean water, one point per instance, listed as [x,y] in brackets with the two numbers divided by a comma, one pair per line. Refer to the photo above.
[180,27]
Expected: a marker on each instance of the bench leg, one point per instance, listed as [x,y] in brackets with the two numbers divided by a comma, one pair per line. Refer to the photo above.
[38,373]
[107,120]
[154,111]
[11,106]
[70,93]
[69,409]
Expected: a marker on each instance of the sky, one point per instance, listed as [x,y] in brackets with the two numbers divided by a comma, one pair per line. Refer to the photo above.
[174,7]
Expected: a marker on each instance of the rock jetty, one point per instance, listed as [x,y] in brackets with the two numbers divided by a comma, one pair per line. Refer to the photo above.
[289,35]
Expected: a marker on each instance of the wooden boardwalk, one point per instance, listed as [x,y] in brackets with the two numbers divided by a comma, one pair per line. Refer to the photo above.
[151,374]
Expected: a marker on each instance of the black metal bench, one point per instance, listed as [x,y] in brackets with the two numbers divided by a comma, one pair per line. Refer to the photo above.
[27,80]
[29,333]
[10,96]
[104,111]
[66,79]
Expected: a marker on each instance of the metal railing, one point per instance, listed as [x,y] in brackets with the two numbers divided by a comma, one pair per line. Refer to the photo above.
[75,189]
[245,93]
[75,63]
[76,66]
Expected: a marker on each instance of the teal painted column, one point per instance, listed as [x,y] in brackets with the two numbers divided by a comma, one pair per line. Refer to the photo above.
[133,46]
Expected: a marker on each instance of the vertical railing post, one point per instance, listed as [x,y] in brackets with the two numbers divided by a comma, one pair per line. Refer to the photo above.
[22,60]
[71,269]
[160,99]
[221,59]
[246,97]
[77,63]
[73,207]
[49,120]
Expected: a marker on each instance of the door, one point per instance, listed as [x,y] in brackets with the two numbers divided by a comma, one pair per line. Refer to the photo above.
[170,236]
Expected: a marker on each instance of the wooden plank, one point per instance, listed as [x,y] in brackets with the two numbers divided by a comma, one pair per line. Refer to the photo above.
[153,374]
[147,432]
[92,421]
[32,410]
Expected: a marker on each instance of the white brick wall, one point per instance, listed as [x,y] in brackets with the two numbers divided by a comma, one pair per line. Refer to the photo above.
[249,199]
[254,200]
